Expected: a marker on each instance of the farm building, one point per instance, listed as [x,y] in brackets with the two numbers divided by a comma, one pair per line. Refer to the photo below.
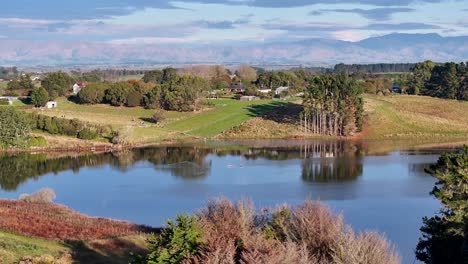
[51,104]
[249,98]
[238,88]
[281,89]
[264,91]
[78,86]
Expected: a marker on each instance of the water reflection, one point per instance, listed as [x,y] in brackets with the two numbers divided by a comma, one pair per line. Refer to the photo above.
[322,161]
[336,161]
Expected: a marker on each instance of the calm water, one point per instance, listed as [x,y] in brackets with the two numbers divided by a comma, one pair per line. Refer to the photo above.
[388,192]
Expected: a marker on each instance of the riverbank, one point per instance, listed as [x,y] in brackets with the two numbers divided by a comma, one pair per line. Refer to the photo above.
[396,117]
[44,231]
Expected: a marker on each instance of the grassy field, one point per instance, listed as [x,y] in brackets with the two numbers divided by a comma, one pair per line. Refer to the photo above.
[134,125]
[404,116]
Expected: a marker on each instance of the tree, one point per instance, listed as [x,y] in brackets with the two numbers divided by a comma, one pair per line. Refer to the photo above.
[169,74]
[155,76]
[39,97]
[444,81]
[93,93]
[23,83]
[57,83]
[445,234]
[421,73]
[246,73]
[14,128]
[135,98]
[118,93]
[183,93]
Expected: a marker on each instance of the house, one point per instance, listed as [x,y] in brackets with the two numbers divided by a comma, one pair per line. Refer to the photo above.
[51,104]
[238,88]
[78,86]
[281,89]
[35,78]
[264,91]
[249,98]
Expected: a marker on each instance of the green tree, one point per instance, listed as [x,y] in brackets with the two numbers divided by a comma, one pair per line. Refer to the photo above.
[39,97]
[57,84]
[118,93]
[445,234]
[421,73]
[135,98]
[180,240]
[94,93]
[14,128]
[155,76]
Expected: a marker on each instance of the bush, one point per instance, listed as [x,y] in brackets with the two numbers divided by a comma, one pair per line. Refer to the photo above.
[37,142]
[93,93]
[45,195]
[158,117]
[14,128]
[180,240]
[87,133]
[233,233]
[118,93]
[39,97]
[135,98]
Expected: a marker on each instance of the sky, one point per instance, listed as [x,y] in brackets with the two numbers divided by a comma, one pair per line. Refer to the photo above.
[194,22]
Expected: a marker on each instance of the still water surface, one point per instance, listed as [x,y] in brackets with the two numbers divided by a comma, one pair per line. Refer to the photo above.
[384,191]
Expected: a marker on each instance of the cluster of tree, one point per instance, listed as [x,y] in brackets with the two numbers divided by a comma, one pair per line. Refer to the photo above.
[68,127]
[104,74]
[445,236]
[333,106]
[8,73]
[21,85]
[373,68]
[448,80]
[57,84]
[167,91]
[14,128]
[378,85]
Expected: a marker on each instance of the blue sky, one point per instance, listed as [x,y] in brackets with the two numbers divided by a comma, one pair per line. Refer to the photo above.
[134,22]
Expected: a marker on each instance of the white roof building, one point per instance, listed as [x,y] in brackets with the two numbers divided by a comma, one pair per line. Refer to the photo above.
[281,89]
[51,104]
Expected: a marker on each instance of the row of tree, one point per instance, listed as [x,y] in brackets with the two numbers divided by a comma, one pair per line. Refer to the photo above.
[178,93]
[448,80]
[332,106]
[373,68]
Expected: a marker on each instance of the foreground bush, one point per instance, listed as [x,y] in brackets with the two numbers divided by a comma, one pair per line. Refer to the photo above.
[234,233]
[45,195]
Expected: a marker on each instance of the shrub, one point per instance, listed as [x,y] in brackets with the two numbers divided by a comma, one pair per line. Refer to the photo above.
[93,93]
[180,240]
[158,117]
[39,97]
[87,133]
[45,195]
[118,93]
[134,99]
[14,127]
[37,142]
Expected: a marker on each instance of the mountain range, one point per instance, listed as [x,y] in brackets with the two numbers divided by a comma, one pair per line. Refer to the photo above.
[392,48]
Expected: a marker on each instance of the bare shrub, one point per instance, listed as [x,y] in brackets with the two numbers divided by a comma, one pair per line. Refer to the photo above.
[364,248]
[45,195]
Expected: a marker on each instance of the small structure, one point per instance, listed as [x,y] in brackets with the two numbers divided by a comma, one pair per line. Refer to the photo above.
[238,88]
[249,98]
[78,86]
[8,99]
[281,89]
[264,91]
[51,104]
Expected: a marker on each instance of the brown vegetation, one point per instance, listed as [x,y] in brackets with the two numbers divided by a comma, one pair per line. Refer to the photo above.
[56,222]
[309,233]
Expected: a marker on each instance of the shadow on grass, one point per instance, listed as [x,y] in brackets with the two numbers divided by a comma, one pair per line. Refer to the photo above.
[277,111]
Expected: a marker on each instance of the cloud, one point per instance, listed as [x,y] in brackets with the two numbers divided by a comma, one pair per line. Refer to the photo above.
[378,14]
[102,9]
[400,26]
[225,24]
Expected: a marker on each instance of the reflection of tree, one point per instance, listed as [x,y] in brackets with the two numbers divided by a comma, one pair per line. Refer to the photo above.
[331,161]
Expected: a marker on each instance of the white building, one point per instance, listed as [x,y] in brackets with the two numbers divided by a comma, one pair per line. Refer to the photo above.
[51,104]
[264,91]
[281,89]
[78,86]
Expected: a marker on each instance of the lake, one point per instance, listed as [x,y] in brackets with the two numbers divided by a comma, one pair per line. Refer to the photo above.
[383,190]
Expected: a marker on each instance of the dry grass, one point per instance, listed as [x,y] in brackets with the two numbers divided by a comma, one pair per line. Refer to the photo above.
[56,222]
[404,116]
[308,233]
[45,195]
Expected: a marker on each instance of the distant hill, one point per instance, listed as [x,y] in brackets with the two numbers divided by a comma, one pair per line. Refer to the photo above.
[392,48]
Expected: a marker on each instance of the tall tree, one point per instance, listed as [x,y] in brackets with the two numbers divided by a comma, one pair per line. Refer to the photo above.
[57,84]
[421,73]
[39,97]
[14,128]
